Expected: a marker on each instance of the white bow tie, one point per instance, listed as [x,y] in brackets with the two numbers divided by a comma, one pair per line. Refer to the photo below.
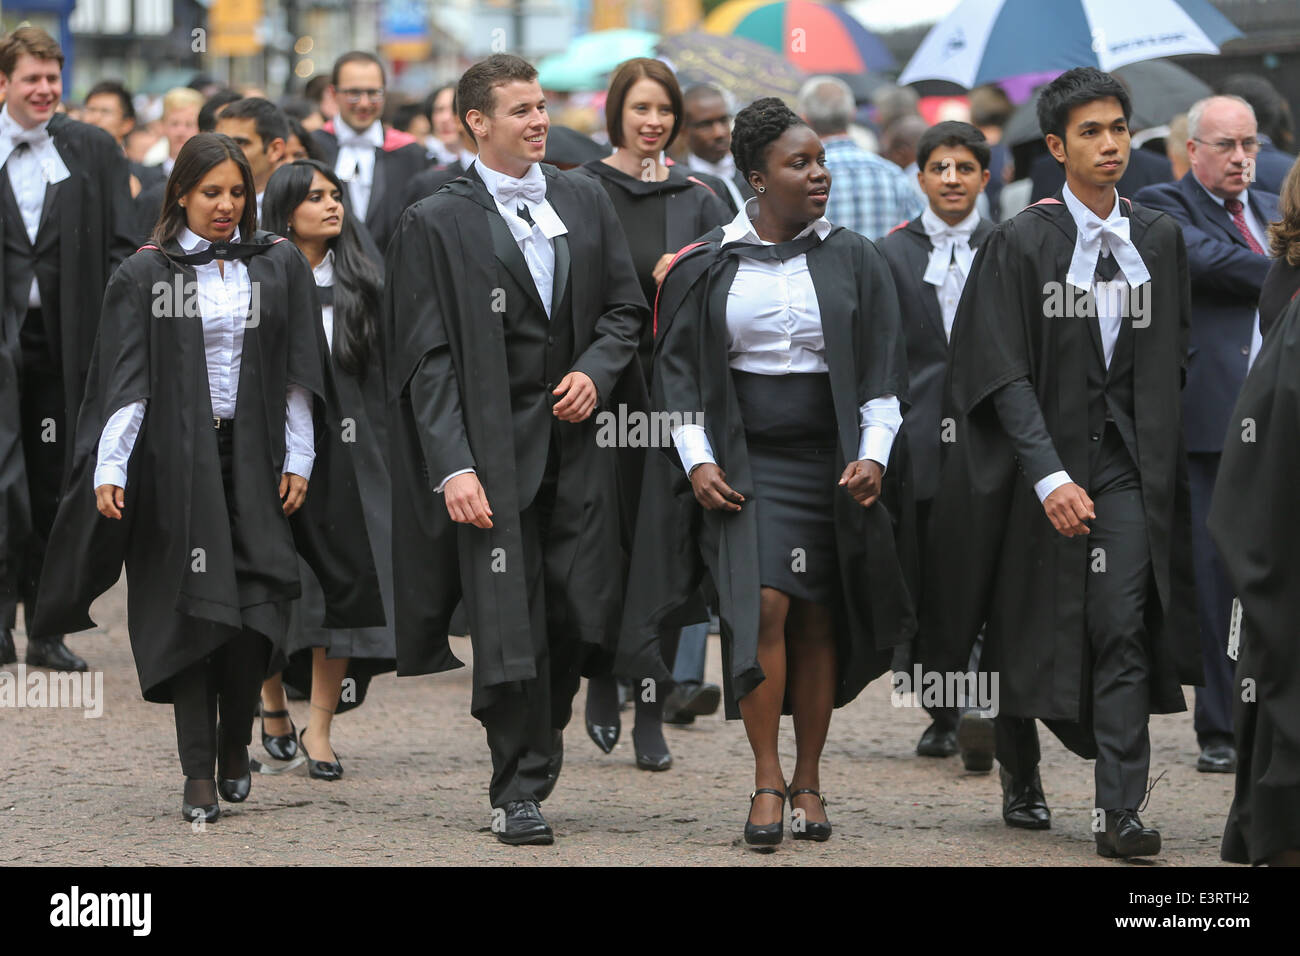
[947,244]
[513,191]
[1087,249]
[53,169]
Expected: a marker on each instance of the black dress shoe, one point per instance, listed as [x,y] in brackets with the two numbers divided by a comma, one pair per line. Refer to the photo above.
[319,769]
[525,825]
[809,829]
[975,741]
[1023,802]
[52,653]
[280,746]
[653,761]
[554,765]
[1125,836]
[765,834]
[689,700]
[233,789]
[604,736]
[207,812]
[8,653]
[1217,758]
[937,741]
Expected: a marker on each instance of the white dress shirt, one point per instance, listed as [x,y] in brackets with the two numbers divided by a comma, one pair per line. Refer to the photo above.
[355,163]
[536,242]
[29,170]
[1110,298]
[724,169]
[224,303]
[324,276]
[774,327]
[950,260]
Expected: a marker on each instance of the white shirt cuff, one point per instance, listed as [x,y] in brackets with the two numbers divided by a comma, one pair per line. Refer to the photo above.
[463,471]
[116,442]
[299,444]
[1046,486]
[693,446]
[877,429]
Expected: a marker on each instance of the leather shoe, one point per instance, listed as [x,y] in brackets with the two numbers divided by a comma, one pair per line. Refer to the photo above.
[1217,758]
[975,741]
[691,699]
[604,736]
[207,812]
[553,765]
[319,769]
[233,789]
[280,746]
[8,653]
[765,834]
[525,825]
[1125,836]
[52,653]
[1023,803]
[937,741]
[820,831]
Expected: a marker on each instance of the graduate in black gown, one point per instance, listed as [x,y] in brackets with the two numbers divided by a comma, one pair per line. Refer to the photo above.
[304,201]
[1061,517]
[783,332]
[64,215]
[511,309]
[661,208]
[208,408]
[1255,525]
[930,259]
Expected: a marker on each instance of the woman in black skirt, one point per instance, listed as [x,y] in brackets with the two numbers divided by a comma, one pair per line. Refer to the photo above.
[661,209]
[781,365]
[203,420]
[304,201]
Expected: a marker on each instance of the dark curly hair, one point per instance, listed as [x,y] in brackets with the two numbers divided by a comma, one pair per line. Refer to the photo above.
[758,126]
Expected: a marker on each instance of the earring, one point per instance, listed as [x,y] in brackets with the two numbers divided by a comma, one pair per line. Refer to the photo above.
[761,189]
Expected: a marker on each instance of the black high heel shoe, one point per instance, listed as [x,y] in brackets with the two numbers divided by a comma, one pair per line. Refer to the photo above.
[603,735]
[233,789]
[809,829]
[319,769]
[281,746]
[765,834]
[207,812]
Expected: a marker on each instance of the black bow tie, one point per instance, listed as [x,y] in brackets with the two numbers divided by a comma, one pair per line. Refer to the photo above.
[221,250]
[780,250]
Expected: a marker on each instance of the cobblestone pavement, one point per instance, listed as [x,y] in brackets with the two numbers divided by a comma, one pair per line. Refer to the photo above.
[77,791]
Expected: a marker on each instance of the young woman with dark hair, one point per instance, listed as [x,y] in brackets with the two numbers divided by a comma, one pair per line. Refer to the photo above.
[195,445]
[304,202]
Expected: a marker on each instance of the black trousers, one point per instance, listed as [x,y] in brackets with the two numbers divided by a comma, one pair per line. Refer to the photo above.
[227,683]
[1115,707]
[1212,717]
[45,438]
[521,724]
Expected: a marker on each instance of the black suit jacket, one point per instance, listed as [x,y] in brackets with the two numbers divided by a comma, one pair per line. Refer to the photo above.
[394,168]
[1226,281]
[907,250]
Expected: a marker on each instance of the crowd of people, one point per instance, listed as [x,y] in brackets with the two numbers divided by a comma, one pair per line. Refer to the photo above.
[334,379]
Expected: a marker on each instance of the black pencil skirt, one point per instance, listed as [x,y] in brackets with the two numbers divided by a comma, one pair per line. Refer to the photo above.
[790,433]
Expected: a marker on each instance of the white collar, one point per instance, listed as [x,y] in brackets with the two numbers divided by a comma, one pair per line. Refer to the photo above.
[1094,235]
[373,134]
[725,167]
[544,215]
[935,226]
[742,229]
[466,157]
[9,126]
[1082,214]
[324,273]
[193,242]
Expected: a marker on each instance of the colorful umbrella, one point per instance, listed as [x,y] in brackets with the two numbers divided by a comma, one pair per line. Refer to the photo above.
[590,58]
[816,37]
[982,41]
[747,70]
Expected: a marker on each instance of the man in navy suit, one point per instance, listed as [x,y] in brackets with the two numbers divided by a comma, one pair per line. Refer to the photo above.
[1224,226]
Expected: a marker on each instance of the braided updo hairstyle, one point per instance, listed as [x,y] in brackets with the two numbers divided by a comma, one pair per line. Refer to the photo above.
[757,127]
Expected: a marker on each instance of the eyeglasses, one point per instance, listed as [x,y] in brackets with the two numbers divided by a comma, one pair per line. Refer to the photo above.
[1248,146]
[355,96]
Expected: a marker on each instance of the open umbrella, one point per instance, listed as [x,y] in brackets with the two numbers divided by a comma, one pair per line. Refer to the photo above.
[747,70]
[590,59]
[816,37]
[982,41]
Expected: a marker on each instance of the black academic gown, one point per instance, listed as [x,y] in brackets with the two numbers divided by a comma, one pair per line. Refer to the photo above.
[394,169]
[429,181]
[185,559]
[84,234]
[145,210]
[997,557]
[452,268]
[677,541]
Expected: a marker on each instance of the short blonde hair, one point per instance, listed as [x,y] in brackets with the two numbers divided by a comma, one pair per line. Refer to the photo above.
[181,97]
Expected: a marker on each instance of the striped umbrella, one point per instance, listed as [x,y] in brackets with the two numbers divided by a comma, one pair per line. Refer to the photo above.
[816,37]
[982,41]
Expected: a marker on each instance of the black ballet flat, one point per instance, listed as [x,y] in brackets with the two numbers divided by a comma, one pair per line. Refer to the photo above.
[320,769]
[282,746]
[809,829]
[233,789]
[765,834]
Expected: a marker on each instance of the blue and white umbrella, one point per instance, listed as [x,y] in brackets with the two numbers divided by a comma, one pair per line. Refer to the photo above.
[982,41]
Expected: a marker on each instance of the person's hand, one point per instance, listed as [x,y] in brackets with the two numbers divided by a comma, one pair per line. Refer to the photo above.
[708,481]
[862,480]
[1068,507]
[110,500]
[466,502]
[579,399]
[293,491]
[661,267]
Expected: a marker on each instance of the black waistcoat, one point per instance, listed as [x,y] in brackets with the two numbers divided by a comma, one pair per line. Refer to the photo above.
[1110,391]
[22,258]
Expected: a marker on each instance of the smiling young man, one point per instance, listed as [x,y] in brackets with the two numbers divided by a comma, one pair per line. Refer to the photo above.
[376,161]
[1061,520]
[261,130]
[63,218]
[511,309]
[930,258]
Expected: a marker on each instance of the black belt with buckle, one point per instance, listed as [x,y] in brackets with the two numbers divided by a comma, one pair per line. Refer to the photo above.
[222,424]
